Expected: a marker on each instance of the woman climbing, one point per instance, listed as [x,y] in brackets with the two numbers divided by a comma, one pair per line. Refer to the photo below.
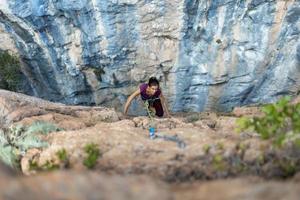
[152,97]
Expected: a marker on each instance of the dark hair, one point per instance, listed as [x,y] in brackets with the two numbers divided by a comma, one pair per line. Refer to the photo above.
[153,81]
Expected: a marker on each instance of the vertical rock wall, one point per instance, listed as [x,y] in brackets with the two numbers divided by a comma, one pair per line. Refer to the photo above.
[208,55]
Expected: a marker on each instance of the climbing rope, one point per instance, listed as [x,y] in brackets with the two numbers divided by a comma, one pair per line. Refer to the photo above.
[149,112]
[180,143]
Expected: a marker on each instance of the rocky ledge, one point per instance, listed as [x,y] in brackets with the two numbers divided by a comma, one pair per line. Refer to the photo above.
[190,148]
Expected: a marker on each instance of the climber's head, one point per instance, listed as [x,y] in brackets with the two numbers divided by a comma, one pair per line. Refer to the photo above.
[153,85]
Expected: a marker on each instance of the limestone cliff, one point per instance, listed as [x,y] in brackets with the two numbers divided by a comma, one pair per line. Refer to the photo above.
[209,55]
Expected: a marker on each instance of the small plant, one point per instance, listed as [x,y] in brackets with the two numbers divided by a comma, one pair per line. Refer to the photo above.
[220,146]
[62,155]
[47,166]
[288,167]
[239,166]
[218,41]
[93,153]
[51,165]
[218,162]
[241,147]
[260,159]
[99,72]
[280,123]
[33,165]
[10,71]
[63,158]
[206,148]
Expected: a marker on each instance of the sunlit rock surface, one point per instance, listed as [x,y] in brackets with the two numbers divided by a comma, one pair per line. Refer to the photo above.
[192,148]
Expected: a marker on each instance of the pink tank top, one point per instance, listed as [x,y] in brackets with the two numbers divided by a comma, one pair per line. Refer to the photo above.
[145,96]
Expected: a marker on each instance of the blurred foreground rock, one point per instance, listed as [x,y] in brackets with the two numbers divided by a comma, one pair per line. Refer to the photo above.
[91,185]
[80,185]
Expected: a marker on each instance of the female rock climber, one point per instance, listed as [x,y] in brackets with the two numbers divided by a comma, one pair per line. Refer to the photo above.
[152,97]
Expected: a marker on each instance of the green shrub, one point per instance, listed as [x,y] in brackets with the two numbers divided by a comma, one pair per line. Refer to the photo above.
[42,127]
[280,123]
[8,155]
[93,154]
[10,71]
[16,140]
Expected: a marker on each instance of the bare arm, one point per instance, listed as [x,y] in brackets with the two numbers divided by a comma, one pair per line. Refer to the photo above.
[130,98]
[163,102]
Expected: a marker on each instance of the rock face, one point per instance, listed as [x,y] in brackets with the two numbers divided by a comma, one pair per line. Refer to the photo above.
[199,146]
[207,54]
[132,166]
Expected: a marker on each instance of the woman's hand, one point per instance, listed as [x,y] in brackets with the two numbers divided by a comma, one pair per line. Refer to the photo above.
[125,111]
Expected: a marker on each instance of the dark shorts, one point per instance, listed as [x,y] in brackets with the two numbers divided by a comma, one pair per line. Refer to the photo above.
[156,104]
